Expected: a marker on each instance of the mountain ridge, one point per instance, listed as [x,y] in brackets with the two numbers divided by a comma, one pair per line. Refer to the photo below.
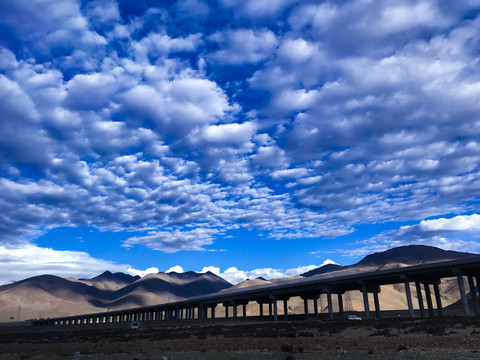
[52,296]
[407,255]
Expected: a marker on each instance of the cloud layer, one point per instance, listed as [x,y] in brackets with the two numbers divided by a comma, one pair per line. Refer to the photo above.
[186,120]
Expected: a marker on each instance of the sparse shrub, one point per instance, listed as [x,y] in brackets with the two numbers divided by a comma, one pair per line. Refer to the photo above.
[385,332]
[436,331]
[288,348]
[305,334]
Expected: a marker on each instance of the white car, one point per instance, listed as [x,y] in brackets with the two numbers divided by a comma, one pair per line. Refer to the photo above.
[354,317]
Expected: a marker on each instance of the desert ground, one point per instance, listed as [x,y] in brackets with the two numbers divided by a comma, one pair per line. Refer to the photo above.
[445,338]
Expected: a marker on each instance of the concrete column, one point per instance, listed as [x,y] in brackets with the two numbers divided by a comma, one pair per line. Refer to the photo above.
[305,307]
[285,308]
[213,311]
[270,310]
[365,302]
[463,295]
[477,278]
[409,299]
[420,299]
[275,310]
[261,309]
[226,310]
[377,305]
[473,294]
[340,305]
[428,295]
[330,305]
[244,310]
[315,306]
[438,299]
[234,310]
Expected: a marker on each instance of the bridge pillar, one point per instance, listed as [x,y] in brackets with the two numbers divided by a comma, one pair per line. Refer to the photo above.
[213,311]
[409,299]
[377,305]
[330,305]
[463,295]
[285,308]
[420,299]
[244,310]
[261,309]
[305,307]
[226,310]
[270,310]
[438,299]
[315,306]
[234,309]
[365,302]
[477,278]
[340,305]
[473,294]
[428,295]
[273,300]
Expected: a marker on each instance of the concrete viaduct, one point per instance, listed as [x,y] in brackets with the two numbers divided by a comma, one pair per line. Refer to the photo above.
[331,284]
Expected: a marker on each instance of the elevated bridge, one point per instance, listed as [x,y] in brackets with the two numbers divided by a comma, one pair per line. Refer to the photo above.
[426,276]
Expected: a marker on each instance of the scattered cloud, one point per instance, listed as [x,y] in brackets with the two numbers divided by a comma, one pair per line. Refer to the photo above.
[142,273]
[459,233]
[21,262]
[235,276]
[177,269]
[182,121]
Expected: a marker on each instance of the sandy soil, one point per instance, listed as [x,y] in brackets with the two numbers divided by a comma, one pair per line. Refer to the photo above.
[452,338]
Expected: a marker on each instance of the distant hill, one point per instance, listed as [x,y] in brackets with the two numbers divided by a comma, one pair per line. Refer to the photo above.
[109,281]
[51,296]
[414,255]
[323,269]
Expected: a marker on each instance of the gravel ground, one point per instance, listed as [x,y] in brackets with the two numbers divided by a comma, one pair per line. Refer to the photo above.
[455,338]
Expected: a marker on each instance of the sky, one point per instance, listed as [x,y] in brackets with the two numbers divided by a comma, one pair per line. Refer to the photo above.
[243,137]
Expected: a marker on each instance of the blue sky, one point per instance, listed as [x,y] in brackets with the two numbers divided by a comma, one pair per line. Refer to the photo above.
[246,137]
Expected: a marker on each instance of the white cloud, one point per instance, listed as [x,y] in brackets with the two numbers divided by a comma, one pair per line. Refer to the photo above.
[176,268]
[142,273]
[212,269]
[227,134]
[244,46]
[290,173]
[161,44]
[175,240]
[461,223]
[235,276]
[24,261]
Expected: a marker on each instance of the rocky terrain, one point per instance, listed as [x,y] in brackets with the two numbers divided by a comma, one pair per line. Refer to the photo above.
[435,338]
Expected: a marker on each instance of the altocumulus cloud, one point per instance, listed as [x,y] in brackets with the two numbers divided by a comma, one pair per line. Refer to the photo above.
[186,120]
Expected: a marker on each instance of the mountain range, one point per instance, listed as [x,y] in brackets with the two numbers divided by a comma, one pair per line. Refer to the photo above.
[52,296]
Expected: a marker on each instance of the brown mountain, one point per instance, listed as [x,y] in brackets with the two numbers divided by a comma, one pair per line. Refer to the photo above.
[396,257]
[51,296]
